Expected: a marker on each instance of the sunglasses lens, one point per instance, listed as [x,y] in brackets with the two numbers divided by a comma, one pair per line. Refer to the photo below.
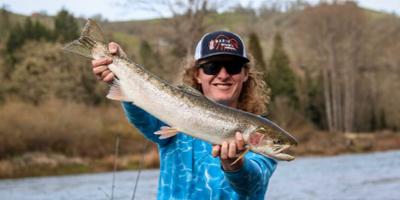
[213,68]
[210,68]
[234,68]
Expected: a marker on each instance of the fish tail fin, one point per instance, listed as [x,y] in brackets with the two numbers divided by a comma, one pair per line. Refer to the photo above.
[91,35]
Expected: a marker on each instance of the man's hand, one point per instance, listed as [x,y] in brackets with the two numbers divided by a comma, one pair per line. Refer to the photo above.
[227,153]
[100,66]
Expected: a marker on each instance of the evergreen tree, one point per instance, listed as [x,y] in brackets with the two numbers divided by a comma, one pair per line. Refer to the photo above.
[16,38]
[382,123]
[40,31]
[65,26]
[5,25]
[281,78]
[373,122]
[29,31]
[35,30]
[314,105]
[256,51]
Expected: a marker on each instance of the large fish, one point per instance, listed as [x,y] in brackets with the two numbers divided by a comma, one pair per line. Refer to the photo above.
[183,108]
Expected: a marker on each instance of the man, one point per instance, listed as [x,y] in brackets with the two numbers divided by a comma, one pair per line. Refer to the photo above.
[224,74]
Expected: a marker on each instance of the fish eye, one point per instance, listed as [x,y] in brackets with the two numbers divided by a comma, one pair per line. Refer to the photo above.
[277,141]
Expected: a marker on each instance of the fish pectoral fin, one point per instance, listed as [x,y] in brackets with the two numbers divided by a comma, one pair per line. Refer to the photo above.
[116,93]
[240,155]
[167,132]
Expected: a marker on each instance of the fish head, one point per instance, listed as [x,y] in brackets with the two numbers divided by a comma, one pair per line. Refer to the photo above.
[271,142]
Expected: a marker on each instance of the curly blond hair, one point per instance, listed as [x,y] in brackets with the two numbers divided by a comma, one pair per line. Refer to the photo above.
[254,95]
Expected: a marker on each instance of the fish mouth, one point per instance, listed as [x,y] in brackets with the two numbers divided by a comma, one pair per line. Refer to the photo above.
[281,155]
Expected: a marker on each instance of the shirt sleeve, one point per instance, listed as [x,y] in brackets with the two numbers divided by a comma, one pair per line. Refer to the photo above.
[253,177]
[144,122]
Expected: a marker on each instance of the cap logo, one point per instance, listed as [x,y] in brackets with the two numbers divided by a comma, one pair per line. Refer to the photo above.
[223,43]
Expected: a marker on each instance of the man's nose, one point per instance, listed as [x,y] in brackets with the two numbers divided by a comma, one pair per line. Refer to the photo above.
[223,73]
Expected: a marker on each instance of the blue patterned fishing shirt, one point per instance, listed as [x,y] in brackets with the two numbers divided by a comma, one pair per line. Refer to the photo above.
[188,171]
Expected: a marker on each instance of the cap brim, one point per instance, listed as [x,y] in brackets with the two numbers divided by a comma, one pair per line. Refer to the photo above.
[225,53]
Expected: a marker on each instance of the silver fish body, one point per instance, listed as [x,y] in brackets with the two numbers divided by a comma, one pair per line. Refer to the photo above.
[183,108]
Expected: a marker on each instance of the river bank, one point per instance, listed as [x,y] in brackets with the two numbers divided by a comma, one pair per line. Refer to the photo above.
[352,176]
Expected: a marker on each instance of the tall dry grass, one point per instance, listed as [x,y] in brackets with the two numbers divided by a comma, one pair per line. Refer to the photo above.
[73,129]
[64,137]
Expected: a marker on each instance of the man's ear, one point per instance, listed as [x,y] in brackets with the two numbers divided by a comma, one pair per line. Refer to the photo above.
[246,74]
[196,76]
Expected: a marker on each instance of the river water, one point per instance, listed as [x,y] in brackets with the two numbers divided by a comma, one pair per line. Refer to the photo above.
[356,176]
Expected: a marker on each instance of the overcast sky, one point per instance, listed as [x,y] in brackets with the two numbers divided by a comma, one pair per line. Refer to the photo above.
[113,11]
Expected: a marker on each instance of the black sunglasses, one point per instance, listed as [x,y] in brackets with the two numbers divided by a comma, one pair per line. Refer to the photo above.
[213,68]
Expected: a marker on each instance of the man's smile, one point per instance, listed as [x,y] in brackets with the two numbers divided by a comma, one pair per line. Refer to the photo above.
[223,85]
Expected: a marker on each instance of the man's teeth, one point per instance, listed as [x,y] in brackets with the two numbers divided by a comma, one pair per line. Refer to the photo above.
[222,86]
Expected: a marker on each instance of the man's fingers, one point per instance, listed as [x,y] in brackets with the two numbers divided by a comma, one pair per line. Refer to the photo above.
[105,73]
[216,150]
[100,66]
[114,48]
[232,150]
[228,150]
[239,141]
[99,70]
[101,61]
[109,77]
[224,150]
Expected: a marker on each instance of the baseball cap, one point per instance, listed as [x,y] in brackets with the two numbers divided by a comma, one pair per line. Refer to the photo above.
[220,43]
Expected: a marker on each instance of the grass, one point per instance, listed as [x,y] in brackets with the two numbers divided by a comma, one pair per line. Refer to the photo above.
[50,164]
[128,40]
[33,135]
[65,127]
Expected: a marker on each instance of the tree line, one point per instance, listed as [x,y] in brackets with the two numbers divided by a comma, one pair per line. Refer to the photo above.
[33,65]
[340,73]
[65,29]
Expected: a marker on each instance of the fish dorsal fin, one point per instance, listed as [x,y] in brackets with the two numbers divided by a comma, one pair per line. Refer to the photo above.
[189,89]
[90,36]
